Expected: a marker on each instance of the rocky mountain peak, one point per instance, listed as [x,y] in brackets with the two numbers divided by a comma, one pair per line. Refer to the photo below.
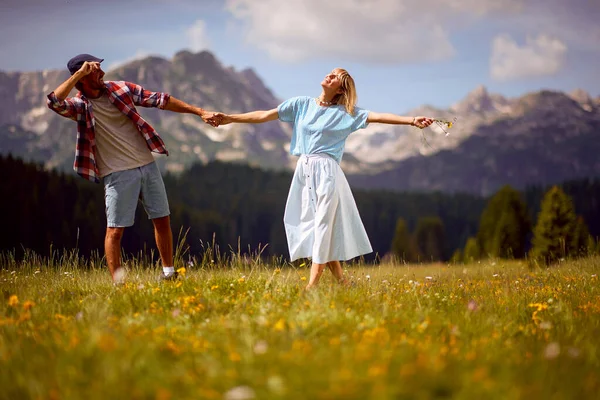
[485,121]
[193,63]
[584,99]
[253,81]
[545,101]
[479,100]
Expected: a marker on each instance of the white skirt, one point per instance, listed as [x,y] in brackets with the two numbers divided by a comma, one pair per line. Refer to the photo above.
[321,219]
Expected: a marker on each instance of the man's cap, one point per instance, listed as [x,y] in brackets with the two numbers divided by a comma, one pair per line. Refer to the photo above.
[76,62]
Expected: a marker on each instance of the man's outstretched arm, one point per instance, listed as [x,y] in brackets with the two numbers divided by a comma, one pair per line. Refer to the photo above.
[182,107]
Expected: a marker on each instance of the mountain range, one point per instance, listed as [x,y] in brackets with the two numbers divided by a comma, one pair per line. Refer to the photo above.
[539,138]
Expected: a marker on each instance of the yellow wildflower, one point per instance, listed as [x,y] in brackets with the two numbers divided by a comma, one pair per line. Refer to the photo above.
[13,300]
[279,325]
[107,342]
[28,305]
[181,271]
[377,370]
[163,394]
[172,347]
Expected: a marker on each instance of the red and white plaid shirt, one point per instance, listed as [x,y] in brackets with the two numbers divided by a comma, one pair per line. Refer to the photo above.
[125,96]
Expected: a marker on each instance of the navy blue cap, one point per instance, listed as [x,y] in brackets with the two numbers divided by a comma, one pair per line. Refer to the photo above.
[76,62]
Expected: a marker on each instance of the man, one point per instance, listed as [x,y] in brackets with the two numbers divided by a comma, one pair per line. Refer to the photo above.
[115,143]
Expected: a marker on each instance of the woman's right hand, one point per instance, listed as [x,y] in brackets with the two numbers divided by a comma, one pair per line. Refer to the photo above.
[220,119]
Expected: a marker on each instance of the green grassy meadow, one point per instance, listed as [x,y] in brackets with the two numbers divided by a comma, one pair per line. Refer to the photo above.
[489,330]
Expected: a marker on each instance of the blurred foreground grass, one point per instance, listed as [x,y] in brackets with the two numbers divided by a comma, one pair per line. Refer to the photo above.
[489,330]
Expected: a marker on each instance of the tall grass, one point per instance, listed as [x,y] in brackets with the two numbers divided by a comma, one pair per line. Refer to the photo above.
[239,327]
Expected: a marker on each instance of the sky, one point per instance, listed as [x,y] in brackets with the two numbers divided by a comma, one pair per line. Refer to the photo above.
[401,53]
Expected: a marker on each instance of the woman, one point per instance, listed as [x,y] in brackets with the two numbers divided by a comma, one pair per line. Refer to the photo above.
[321,219]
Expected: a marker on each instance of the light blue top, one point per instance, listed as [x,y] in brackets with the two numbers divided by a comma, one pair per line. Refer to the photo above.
[320,129]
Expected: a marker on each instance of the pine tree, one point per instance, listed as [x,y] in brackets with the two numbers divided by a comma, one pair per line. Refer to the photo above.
[472,251]
[507,239]
[553,235]
[457,256]
[401,243]
[430,238]
[504,225]
[580,238]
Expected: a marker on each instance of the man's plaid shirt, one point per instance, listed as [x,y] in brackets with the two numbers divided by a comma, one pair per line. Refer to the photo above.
[125,96]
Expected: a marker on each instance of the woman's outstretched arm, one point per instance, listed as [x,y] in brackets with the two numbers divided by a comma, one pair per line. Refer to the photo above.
[253,117]
[386,118]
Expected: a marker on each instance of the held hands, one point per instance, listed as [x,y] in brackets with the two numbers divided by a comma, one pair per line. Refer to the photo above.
[215,119]
[421,122]
[209,117]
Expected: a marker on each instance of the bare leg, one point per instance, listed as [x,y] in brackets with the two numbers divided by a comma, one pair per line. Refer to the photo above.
[112,249]
[337,271]
[315,274]
[164,240]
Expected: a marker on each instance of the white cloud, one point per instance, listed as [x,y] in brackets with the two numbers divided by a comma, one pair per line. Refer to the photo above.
[379,31]
[539,56]
[197,37]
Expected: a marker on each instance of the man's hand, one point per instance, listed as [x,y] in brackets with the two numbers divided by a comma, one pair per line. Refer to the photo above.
[63,90]
[210,117]
[422,122]
[217,119]
[87,68]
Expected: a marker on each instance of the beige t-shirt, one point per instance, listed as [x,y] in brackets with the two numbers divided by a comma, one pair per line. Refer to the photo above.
[119,145]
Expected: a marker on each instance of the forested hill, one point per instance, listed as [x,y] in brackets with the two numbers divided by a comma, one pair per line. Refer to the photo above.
[232,204]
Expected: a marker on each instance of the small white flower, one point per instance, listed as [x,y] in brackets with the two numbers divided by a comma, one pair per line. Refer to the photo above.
[240,393]
[428,278]
[495,275]
[550,300]
[545,325]
[261,347]
[574,352]
[552,351]
[368,277]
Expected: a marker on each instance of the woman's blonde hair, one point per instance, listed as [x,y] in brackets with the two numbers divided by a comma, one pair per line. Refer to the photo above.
[348,96]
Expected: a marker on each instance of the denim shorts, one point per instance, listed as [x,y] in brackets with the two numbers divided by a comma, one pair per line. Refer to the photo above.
[123,189]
